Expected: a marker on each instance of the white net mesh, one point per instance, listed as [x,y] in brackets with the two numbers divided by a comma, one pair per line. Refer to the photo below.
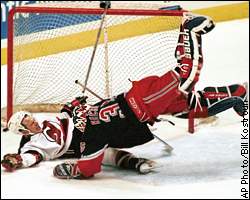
[51,51]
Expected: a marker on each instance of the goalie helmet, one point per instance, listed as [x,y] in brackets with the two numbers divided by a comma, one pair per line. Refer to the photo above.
[15,122]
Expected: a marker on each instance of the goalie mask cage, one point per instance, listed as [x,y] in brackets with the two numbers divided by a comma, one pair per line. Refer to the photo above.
[50,46]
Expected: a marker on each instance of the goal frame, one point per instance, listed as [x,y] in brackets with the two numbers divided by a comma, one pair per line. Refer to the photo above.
[65,10]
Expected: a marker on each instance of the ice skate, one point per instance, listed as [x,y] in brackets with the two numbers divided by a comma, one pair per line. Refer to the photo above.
[67,170]
[146,166]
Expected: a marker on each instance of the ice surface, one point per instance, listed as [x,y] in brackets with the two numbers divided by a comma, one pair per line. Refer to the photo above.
[203,165]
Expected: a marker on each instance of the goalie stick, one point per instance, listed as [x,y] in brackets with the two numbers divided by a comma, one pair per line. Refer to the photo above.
[96,43]
[168,148]
[89,90]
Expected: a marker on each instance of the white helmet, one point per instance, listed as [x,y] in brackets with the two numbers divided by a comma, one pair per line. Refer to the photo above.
[15,122]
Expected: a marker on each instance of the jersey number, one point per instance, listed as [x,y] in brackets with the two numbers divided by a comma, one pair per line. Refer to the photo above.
[106,113]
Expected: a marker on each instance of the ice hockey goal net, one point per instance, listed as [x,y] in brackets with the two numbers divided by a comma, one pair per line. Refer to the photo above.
[50,46]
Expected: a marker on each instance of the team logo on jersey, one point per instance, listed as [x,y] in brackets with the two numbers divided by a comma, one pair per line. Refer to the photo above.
[79,117]
[52,131]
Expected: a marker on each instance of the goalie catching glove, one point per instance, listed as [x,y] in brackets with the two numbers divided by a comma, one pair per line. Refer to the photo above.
[12,161]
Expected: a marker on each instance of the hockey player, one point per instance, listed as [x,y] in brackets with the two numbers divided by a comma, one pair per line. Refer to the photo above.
[54,138]
[92,133]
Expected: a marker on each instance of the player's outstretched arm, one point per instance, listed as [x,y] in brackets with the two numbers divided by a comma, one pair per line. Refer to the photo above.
[13,161]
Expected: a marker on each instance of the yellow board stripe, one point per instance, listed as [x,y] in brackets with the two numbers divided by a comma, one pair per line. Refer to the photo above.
[127,30]
[226,12]
[87,39]
[3,56]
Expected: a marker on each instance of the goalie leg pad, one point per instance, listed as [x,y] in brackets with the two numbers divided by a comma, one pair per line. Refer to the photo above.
[235,94]
[189,50]
[189,58]
[211,101]
[198,24]
[232,102]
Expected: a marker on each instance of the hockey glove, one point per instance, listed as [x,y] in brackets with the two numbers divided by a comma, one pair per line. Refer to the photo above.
[70,106]
[11,162]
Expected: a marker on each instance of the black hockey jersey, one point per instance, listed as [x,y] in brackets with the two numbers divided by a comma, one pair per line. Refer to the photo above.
[111,122]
